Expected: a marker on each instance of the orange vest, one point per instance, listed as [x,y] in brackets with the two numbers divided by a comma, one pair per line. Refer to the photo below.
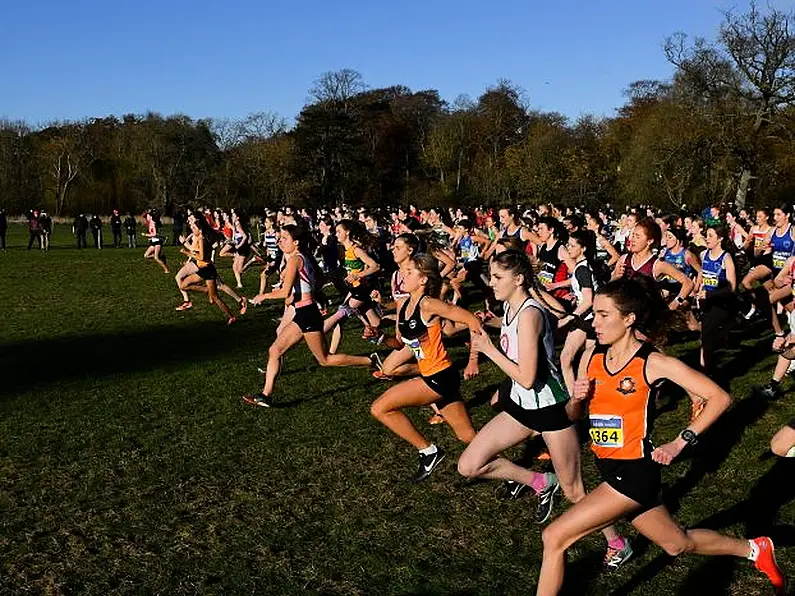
[620,411]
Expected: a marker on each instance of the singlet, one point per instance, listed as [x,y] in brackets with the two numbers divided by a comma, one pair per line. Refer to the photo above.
[622,409]
[515,234]
[782,247]
[759,235]
[470,251]
[551,264]
[304,283]
[679,261]
[548,388]
[424,339]
[646,268]
[271,245]
[713,271]
[353,264]
[398,293]
[583,277]
[200,243]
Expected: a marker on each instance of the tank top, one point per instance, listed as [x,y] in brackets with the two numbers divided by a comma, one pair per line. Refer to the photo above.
[622,408]
[304,283]
[679,261]
[398,293]
[782,247]
[353,264]
[577,289]
[424,339]
[200,243]
[646,268]
[271,245]
[713,271]
[470,251]
[759,237]
[547,390]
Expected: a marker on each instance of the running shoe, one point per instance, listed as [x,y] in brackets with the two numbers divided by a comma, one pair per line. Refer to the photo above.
[346,310]
[260,399]
[546,499]
[185,305]
[427,465]
[766,563]
[243,305]
[544,456]
[376,363]
[615,558]
[510,490]
[231,321]
[768,391]
[436,419]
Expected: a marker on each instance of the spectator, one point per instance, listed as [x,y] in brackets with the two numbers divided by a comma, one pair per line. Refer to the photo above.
[80,229]
[3,228]
[96,230]
[34,228]
[45,222]
[115,228]
[130,227]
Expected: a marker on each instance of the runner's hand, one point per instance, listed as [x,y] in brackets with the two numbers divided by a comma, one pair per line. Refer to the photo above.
[665,454]
[583,390]
[472,370]
[481,342]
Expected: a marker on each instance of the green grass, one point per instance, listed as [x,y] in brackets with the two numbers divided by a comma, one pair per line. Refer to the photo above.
[129,464]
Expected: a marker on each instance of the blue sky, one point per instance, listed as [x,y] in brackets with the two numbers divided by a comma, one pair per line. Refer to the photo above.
[72,60]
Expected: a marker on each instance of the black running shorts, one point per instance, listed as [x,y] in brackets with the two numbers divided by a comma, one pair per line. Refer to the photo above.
[547,419]
[308,318]
[637,479]
[447,383]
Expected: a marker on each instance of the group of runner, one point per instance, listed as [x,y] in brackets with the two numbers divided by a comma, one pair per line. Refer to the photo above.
[606,289]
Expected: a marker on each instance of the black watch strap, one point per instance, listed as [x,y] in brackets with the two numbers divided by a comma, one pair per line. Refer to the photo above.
[689,437]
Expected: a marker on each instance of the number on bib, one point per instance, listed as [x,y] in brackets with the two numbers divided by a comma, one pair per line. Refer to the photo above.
[607,430]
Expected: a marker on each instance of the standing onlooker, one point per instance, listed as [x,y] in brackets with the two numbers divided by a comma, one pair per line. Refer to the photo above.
[80,228]
[178,225]
[45,222]
[96,230]
[3,228]
[130,227]
[115,228]
[34,228]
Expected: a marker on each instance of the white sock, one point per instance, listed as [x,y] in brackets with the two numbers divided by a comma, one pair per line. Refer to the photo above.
[754,551]
[429,450]
[790,452]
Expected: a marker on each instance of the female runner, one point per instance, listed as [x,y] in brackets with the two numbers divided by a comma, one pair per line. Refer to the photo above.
[205,278]
[419,327]
[155,248]
[242,246]
[299,290]
[616,382]
[533,400]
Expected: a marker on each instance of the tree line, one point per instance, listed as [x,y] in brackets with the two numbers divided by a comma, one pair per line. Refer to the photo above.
[721,130]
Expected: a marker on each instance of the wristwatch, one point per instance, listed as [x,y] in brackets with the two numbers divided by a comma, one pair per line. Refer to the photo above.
[680,300]
[689,437]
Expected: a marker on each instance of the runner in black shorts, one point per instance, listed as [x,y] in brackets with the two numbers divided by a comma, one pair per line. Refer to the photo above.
[617,381]
[299,289]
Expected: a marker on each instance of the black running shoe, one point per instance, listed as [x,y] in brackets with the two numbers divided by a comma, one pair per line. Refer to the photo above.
[260,399]
[428,464]
[510,490]
[546,499]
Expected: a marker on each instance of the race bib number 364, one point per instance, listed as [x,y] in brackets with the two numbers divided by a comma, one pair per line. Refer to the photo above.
[607,430]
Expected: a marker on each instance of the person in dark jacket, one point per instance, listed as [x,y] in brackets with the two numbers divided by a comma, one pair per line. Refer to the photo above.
[130,226]
[80,229]
[34,228]
[3,228]
[96,230]
[115,228]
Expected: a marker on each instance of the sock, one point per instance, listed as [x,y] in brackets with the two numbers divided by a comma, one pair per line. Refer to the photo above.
[617,543]
[790,452]
[429,450]
[539,482]
[754,551]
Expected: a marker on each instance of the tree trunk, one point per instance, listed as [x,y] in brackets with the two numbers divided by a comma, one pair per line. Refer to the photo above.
[742,188]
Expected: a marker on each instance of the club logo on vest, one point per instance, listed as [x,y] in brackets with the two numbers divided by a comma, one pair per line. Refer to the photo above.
[626,386]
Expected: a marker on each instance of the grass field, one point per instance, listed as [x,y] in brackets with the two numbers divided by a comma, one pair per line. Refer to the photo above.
[130,465]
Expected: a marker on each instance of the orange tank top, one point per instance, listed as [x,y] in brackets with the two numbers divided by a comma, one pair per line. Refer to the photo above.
[425,340]
[621,410]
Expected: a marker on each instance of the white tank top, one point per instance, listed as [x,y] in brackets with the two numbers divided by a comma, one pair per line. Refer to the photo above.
[548,387]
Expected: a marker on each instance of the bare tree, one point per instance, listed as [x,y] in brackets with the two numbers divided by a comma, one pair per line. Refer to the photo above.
[339,85]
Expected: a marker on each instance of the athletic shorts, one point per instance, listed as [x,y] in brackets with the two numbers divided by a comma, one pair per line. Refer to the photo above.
[547,419]
[791,424]
[308,318]
[637,479]
[362,294]
[208,272]
[446,383]
[156,241]
[766,260]
[244,251]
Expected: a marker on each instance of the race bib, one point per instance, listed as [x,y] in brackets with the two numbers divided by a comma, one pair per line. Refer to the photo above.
[416,347]
[545,277]
[710,281]
[607,430]
[780,259]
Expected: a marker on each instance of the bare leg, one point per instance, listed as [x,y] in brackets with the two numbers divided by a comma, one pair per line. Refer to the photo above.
[387,409]
[317,344]
[289,336]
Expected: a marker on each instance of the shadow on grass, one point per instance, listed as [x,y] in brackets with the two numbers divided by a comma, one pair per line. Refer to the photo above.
[38,363]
